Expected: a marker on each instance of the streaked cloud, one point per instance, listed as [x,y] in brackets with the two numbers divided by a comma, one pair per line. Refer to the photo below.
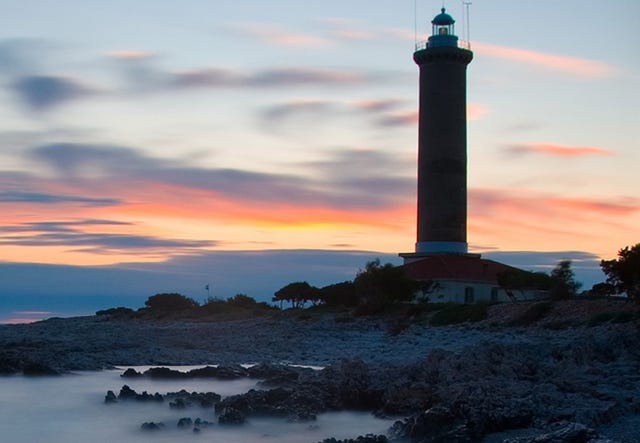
[556,150]
[277,77]
[346,29]
[331,184]
[528,202]
[52,199]
[571,65]
[19,56]
[297,107]
[130,54]
[275,35]
[384,112]
[42,92]
[400,118]
[577,66]
[69,235]
[379,105]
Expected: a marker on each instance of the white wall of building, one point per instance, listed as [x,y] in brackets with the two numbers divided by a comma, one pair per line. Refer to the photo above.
[451,291]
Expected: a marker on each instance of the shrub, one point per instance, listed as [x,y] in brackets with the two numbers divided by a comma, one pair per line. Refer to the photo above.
[455,314]
[119,312]
[170,302]
[610,317]
[533,313]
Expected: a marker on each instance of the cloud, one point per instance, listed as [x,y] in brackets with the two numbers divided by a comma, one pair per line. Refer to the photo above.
[130,54]
[281,77]
[556,150]
[395,119]
[50,199]
[384,112]
[345,29]
[42,92]
[277,36]
[296,108]
[379,105]
[576,66]
[68,235]
[19,56]
[348,179]
[475,111]
[529,202]
[571,65]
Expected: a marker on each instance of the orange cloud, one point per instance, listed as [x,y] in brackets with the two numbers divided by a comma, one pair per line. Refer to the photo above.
[523,219]
[559,150]
[571,65]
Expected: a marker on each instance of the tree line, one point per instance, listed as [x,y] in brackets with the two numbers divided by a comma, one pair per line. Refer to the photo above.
[380,285]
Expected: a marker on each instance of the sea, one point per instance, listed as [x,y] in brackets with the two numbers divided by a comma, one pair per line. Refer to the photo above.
[71,408]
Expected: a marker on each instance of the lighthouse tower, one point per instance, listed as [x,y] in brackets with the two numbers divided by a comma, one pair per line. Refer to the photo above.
[442,141]
[441,252]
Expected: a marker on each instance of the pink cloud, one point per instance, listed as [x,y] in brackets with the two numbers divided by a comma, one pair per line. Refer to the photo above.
[130,54]
[346,29]
[278,37]
[475,111]
[556,150]
[572,65]
[530,203]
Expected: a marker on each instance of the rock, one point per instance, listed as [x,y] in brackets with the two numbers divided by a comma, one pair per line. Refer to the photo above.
[184,399]
[130,373]
[126,393]
[231,416]
[561,433]
[152,426]
[276,375]
[227,372]
[185,422]
[369,438]
[110,397]
[178,403]
[38,369]
[164,373]
[436,425]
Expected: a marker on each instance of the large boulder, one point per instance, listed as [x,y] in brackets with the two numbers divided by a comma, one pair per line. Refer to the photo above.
[436,425]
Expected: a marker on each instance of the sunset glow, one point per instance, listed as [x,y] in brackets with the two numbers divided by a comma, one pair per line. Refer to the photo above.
[152,133]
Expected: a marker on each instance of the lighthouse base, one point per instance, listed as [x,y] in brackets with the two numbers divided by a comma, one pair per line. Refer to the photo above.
[441,247]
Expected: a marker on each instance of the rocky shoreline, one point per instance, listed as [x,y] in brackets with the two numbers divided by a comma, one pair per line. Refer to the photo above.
[462,383]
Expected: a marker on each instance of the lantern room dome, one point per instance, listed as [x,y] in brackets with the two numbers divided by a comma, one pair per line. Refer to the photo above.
[443,19]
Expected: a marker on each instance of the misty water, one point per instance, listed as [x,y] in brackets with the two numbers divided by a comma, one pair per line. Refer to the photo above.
[71,408]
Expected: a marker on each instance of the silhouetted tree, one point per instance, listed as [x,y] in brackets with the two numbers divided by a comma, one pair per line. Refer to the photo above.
[384,284]
[297,293]
[167,302]
[339,294]
[518,280]
[241,300]
[563,281]
[623,273]
[602,290]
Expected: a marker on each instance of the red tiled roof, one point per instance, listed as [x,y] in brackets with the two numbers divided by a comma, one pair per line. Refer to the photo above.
[455,267]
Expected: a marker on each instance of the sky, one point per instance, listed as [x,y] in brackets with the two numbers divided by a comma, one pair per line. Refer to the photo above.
[157,146]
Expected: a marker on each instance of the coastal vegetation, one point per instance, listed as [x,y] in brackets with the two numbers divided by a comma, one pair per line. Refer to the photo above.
[384,290]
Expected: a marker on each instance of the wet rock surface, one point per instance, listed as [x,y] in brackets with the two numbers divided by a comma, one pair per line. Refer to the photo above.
[454,384]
